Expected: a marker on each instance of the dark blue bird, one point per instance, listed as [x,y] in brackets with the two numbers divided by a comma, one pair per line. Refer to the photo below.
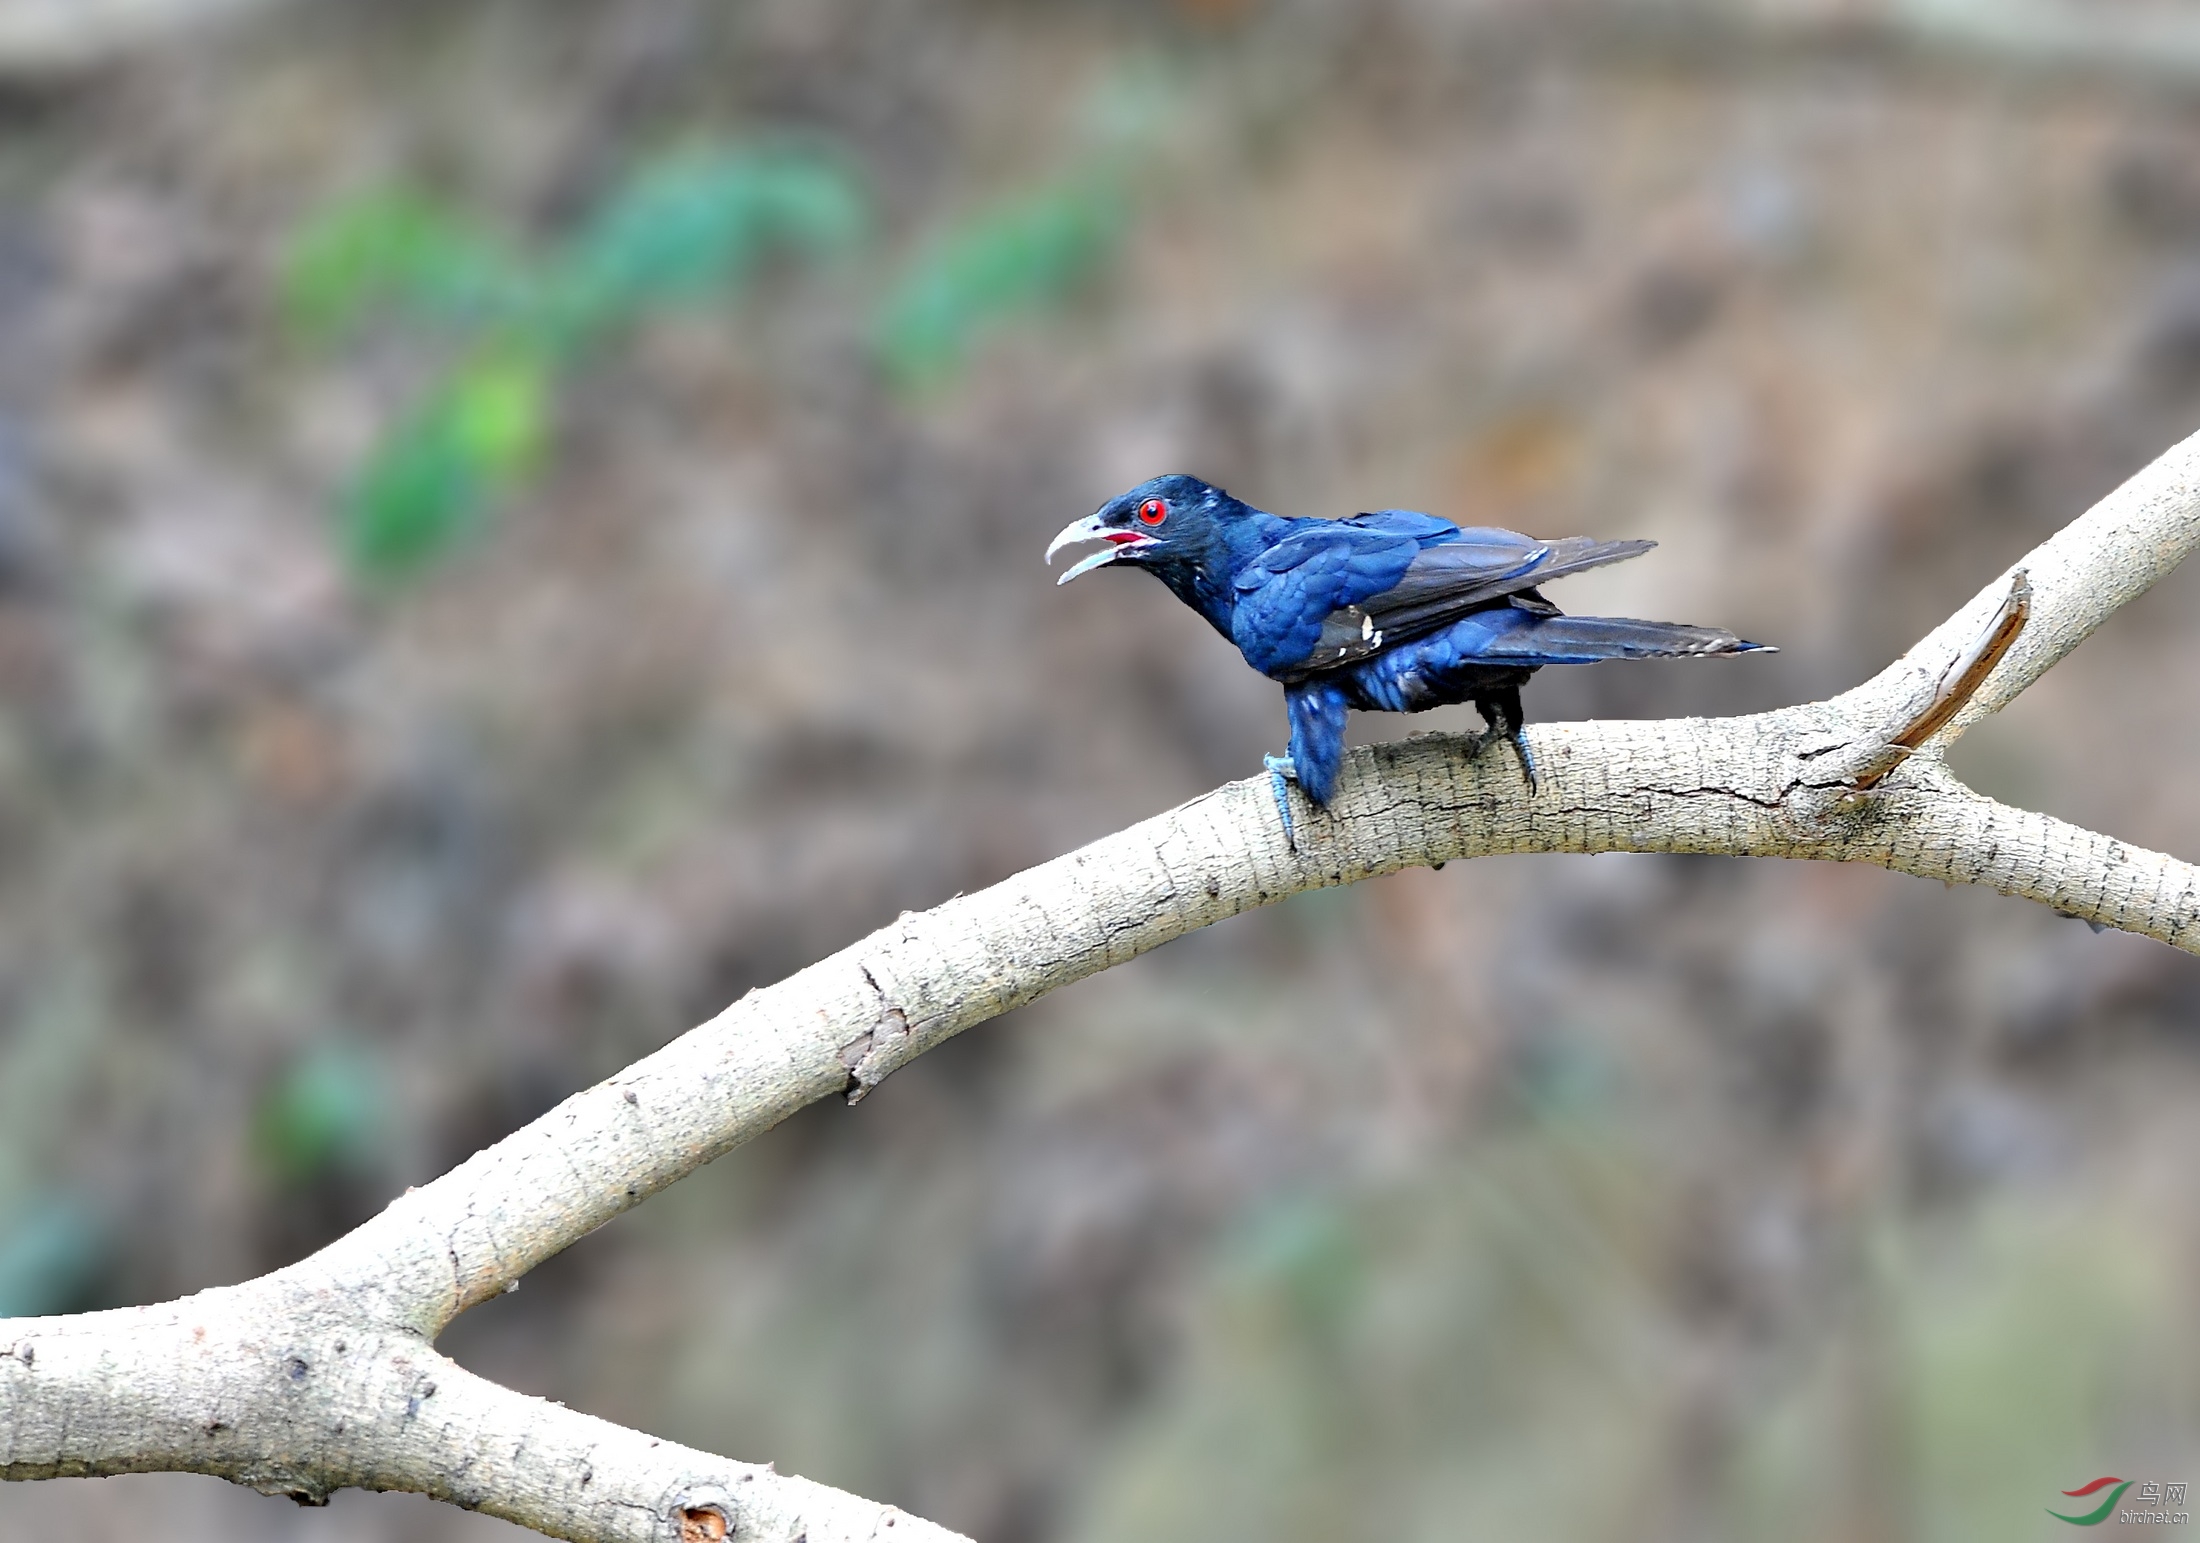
[1391,612]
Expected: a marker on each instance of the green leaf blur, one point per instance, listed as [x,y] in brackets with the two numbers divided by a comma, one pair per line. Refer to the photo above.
[397,250]
[511,327]
[690,229]
[51,1256]
[324,1114]
[1023,255]
[429,483]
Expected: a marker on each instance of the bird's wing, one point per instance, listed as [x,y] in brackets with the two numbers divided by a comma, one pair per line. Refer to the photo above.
[1405,522]
[1336,591]
[1297,603]
[1448,579]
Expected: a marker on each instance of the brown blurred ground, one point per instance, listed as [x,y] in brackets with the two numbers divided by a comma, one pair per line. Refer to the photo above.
[1628,1198]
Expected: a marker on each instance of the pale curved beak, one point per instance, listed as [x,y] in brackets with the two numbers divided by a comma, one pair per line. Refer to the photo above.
[1078,532]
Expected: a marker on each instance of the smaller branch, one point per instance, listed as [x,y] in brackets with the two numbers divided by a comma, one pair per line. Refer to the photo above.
[1958,683]
[2088,571]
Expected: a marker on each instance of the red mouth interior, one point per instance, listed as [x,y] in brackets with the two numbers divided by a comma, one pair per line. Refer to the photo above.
[1121,536]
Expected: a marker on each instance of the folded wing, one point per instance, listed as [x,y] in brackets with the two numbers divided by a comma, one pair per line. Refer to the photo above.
[1447,581]
[1308,586]
[1340,590]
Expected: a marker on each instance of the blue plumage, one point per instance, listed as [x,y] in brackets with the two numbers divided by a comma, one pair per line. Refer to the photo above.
[1393,611]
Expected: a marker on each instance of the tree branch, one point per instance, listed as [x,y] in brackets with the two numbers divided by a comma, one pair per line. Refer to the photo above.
[321,1375]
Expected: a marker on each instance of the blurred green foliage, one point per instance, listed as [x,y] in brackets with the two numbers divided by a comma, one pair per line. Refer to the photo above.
[1021,255]
[510,324]
[1303,1251]
[55,1244]
[477,434]
[327,1113]
[53,1253]
[506,323]
[690,229]
[1029,251]
[400,249]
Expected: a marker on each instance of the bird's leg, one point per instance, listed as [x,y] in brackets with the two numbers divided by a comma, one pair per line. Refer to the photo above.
[1280,768]
[1316,751]
[1501,711]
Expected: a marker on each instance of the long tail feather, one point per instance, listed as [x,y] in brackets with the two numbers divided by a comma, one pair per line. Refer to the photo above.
[1585,639]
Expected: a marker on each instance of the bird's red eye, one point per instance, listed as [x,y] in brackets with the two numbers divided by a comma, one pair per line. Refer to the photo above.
[1153,511]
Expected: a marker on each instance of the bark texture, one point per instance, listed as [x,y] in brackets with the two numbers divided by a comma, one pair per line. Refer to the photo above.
[324,1375]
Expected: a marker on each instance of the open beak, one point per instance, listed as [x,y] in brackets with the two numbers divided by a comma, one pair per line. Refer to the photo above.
[1077,532]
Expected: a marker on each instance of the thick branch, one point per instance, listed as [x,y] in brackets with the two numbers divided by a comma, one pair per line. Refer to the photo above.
[210,1384]
[285,1391]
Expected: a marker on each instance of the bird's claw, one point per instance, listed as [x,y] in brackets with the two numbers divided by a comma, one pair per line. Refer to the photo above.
[1280,768]
[1527,761]
[1478,743]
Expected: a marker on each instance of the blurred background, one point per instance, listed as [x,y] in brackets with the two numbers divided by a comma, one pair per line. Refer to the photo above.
[521,520]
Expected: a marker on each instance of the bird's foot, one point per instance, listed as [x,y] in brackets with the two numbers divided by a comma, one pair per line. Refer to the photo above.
[1477,743]
[1280,768]
[1527,761]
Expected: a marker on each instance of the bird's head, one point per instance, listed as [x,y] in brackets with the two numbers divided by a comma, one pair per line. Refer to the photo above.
[1173,524]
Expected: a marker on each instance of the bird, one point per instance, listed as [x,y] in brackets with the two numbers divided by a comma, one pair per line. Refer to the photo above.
[1387,611]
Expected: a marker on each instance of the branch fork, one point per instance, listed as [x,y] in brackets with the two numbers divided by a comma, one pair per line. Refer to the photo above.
[1953,689]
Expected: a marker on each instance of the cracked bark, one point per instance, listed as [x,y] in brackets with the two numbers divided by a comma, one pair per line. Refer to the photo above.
[324,1375]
